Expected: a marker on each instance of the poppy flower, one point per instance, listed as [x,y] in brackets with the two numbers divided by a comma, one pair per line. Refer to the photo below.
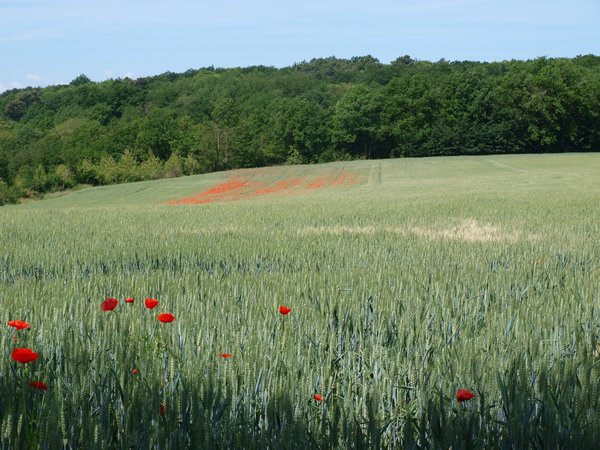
[285,310]
[15,338]
[163,409]
[129,300]
[38,385]
[135,371]
[18,324]
[166,317]
[318,397]
[109,304]
[151,303]
[24,355]
[464,395]
[225,355]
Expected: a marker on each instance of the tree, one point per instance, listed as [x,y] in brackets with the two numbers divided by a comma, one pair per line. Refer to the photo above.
[356,122]
[173,167]
[6,196]
[18,105]
[410,110]
[80,80]
[151,168]
[301,126]
[63,177]
[156,132]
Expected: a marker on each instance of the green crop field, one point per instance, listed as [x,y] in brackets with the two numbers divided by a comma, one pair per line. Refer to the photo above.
[407,280]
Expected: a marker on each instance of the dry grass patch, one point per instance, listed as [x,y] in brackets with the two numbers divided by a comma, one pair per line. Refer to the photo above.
[468,231]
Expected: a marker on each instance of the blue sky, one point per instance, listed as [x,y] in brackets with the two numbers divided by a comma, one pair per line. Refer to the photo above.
[52,41]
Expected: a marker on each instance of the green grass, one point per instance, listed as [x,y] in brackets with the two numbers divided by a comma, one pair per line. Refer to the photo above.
[426,276]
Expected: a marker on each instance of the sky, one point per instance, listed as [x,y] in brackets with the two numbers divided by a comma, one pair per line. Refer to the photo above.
[46,42]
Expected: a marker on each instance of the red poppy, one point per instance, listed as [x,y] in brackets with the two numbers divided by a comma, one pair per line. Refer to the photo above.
[225,355]
[129,300]
[38,385]
[166,317]
[163,409]
[151,303]
[24,355]
[135,371]
[18,324]
[109,304]
[463,395]
[285,310]
[318,397]
[15,338]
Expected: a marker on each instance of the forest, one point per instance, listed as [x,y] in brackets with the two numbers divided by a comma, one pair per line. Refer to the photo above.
[210,119]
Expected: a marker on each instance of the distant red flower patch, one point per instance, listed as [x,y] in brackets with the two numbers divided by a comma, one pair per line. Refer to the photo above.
[166,317]
[109,304]
[151,303]
[231,189]
[318,398]
[18,324]
[163,409]
[129,300]
[135,371]
[38,385]
[245,185]
[464,395]
[225,355]
[24,355]
[285,310]
[279,186]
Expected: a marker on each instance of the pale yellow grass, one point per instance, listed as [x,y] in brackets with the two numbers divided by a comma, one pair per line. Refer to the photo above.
[469,230]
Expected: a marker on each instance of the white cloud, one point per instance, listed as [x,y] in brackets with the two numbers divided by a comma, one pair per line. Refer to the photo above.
[34,77]
[29,35]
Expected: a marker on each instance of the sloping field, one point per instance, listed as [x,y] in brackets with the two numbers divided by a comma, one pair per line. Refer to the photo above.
[407,280]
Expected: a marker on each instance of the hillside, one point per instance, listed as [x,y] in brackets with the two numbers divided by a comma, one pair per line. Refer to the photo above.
[401,179]
[301,299]
[328,109]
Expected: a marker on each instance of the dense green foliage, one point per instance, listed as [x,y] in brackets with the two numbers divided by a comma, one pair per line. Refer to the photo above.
[323,110]
[402,291]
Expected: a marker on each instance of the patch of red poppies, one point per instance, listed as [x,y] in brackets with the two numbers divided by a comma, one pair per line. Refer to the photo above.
[18,324]
[24,355]
[239,187]
[38,385]
[166,317]
[463,395]
[151,303]
[109,304]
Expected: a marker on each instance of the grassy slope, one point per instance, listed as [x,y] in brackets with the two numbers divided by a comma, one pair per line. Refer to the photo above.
[531,193]
[504,174]
[431,307]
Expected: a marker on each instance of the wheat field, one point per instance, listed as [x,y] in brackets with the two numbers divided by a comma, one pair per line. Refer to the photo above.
[407,280]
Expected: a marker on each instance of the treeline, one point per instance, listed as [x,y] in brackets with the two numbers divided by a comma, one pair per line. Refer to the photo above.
[327,109]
